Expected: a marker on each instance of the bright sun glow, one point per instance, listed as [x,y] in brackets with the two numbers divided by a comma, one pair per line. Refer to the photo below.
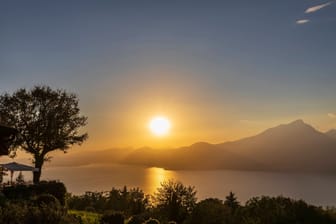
[159,126]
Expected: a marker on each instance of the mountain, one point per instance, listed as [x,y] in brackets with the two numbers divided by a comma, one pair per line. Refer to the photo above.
[331,133]
[293,146]
[296,146]
[197,156]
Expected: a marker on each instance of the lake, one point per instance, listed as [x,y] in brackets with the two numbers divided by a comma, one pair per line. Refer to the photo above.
[314,188]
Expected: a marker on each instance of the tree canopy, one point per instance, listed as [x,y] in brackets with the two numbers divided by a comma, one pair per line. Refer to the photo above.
[174,200]
[46,120]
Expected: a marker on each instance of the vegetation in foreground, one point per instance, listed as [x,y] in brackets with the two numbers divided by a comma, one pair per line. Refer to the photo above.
[173,203]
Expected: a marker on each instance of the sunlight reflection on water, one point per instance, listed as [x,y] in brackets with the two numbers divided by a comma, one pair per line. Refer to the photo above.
[155,176]
[314,188]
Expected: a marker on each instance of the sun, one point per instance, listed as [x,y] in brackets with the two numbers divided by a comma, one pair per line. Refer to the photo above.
[159,126]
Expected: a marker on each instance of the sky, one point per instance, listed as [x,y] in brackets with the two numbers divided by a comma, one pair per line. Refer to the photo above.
[219,70]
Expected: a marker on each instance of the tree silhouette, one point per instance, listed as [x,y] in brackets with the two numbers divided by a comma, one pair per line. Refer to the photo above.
[46,120]
[231,201]
[174,200]
[7,136]
[209,211]
[283,210]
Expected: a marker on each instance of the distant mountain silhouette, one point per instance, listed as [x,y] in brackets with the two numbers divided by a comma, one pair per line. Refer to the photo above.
[293,146]
[331,133]
[296,146]
[200,155]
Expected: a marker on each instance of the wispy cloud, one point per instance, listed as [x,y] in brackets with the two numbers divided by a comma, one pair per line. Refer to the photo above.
[332,115]
[302,21]
[317,7]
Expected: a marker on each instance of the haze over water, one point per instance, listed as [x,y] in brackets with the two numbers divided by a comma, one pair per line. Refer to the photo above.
[313,188]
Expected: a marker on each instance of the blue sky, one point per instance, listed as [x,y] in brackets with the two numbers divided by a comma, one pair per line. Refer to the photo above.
[220,69]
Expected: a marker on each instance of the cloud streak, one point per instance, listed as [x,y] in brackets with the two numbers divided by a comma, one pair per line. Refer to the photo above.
[332,115]
[302,21]
[317,7]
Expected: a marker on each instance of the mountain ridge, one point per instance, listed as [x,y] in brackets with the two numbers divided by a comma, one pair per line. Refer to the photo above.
[295,146]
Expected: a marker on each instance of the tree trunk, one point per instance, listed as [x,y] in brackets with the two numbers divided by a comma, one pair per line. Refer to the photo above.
[38,165]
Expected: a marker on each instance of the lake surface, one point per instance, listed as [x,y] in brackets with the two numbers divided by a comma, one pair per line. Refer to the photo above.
[314,188]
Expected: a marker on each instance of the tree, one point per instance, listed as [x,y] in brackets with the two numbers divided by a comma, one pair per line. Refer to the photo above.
[231,201]
[174,200]
[46,119]
[7,136]
[131,202]
[210,211]
[280,210]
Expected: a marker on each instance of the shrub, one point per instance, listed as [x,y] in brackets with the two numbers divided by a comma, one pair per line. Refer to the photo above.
[26,192]
[47,199]
[54,188]
[112,217]
[85,217]
[90,209]
[13,213]
[25,212]
[3,199]
[152,221]
[45,214]
[136,219]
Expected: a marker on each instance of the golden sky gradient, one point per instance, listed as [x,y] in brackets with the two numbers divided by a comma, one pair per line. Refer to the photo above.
[218,71]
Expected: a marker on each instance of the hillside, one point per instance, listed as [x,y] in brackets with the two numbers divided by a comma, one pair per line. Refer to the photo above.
[296,146]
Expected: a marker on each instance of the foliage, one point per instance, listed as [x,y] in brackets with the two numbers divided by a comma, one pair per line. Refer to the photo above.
[112,217]
[46,199]
[136,219]
[209,211]
[25,212]
[152,221]
[131,202]
[174,201]
[26,192]
[46,120]
[281,210]
[231,201]
[86,217]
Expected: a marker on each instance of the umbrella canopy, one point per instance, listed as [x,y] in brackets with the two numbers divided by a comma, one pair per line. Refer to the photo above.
[13,166]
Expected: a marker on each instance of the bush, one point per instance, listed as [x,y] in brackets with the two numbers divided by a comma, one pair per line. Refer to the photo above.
[3,199]
[54,188]
[112,217]
[135,220]
[13,213]
[26,192]
[25,212]
[90,209]
[152,221]
[85,217]
[45,214]
[47,199]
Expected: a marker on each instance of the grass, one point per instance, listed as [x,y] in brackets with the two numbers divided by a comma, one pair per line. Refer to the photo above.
[87,217]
